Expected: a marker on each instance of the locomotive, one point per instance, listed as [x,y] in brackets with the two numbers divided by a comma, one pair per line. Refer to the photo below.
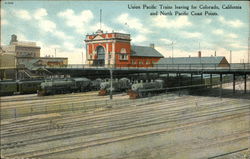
[66,85]
[19,87]
[139,90]
[120,85]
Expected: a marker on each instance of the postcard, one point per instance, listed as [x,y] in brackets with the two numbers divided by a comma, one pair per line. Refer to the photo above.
[125,79]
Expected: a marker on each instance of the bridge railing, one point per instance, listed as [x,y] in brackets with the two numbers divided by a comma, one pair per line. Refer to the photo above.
[234,66]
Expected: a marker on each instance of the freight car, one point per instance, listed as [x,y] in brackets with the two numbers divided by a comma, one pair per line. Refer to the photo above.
[19,87]
[66,85]
[120,85]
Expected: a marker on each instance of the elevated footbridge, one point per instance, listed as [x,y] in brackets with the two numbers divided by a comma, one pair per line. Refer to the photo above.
[236,69]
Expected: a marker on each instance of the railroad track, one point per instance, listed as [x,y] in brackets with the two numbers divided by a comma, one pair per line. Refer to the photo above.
[148,119]
[151,115]
[77,120]
[82,145]
[105,128]
[35,97]
[101,116]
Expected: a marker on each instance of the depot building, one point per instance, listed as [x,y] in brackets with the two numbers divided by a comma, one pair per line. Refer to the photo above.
[114,49]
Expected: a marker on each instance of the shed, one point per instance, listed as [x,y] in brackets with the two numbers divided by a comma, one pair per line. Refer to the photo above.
[219,61]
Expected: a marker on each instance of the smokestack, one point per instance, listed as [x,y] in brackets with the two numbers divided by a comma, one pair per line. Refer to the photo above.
[199,54]
[215,53]
[152,45]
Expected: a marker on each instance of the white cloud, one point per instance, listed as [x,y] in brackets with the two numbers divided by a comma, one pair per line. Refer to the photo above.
[191,34]
[208,21]
[232,23]
[131,23]
[231,35]
[68,46]
[165,22]
[23,14]
[78,21]
[2,12]
[4,21]
[62,35]
[139,39]
[166,41]
[218,32]
[238,46]
[47,25]
[40,13]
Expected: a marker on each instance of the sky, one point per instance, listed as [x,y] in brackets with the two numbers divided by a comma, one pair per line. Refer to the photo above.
[63,25]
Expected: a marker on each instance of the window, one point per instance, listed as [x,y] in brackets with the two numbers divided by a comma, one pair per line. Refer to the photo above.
[147,62]
[133,62]
[123,57]
[140,62]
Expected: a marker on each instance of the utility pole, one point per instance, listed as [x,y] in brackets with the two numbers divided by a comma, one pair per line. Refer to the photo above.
[172,52]
[230,56]
[55,52]
[100,19]
[111,84]
[82,57]
[248,50]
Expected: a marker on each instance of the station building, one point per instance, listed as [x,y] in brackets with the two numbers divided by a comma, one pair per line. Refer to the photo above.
[114,49]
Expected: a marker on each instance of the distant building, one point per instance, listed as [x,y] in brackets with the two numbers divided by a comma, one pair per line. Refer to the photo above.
[24,55]
[218,61]
[104,49]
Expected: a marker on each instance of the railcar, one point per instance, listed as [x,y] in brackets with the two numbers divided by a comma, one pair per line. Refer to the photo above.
[8,88]
[120,85]
[66,85]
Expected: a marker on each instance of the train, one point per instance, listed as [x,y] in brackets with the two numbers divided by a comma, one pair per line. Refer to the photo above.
[19,87]
[120,85]
[68,85]
[167,83]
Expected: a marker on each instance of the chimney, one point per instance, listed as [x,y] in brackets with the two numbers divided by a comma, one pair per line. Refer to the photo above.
[199,54]
[152,45]
[13,39]
[189,56]
[215,53]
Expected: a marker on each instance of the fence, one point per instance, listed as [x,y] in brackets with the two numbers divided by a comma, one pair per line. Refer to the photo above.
[43,108]
[211,66]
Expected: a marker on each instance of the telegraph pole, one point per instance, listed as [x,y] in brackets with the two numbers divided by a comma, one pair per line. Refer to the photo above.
[100,19]
[172,52]
[111,84]
[248,50]
[230,56]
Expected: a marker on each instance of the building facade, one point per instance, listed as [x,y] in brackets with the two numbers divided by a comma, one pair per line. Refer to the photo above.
[20,55]
[114,49]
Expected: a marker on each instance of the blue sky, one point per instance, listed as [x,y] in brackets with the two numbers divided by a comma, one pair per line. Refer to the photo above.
[63,25]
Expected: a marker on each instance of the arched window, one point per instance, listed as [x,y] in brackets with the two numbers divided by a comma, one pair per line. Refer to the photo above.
[123,51]
[100,53]
[123,55]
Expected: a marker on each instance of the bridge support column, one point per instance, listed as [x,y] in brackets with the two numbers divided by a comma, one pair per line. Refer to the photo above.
[179,81]
[233,83]
[220,85]
[191,78]
[211,81]
[111,85]
[245,85]
[201,78]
